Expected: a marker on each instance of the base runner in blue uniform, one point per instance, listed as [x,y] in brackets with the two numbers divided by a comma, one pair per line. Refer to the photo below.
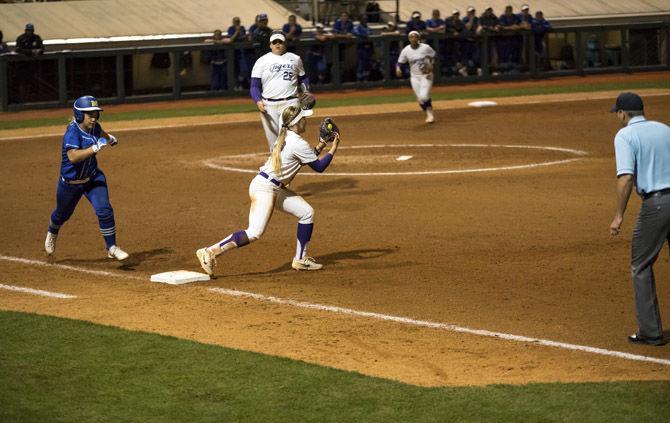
[79,175]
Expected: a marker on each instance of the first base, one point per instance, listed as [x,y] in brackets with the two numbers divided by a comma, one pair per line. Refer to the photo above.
[179,277]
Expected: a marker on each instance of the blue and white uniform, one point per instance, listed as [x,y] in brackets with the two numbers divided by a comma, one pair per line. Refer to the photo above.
[82,178]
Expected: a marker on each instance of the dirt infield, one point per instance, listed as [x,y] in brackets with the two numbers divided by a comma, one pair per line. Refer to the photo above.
[521,251]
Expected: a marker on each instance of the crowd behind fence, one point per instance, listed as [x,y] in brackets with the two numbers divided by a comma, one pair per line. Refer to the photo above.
[186,71]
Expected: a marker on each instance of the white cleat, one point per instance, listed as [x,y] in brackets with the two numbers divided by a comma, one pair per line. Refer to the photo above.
[115,252]
[207,260]
[307,263]
[50,243]
[429,116]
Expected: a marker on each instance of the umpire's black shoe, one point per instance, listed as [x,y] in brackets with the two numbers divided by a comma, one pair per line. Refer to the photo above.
[639,339]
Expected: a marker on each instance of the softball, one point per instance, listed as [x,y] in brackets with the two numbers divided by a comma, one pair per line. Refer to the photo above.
[330,126]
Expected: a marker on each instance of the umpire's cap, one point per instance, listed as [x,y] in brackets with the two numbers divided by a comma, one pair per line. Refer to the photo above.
[628,101]
[30,27]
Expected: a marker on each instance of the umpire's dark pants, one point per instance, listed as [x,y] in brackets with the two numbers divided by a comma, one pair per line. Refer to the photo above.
[652,229]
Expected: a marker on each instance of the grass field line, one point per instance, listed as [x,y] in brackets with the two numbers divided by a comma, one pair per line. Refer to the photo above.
[41,263]
[368,314]
[443,326]
[36,291]
[348,111]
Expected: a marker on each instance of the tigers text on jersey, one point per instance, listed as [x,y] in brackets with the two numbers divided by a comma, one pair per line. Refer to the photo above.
[296,153]
[76,138]
[416,57]
[278,74]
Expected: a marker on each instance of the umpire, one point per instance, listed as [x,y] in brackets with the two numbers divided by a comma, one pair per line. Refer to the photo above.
[642,149]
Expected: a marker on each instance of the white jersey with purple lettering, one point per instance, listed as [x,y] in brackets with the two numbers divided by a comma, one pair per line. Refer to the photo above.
[421,82]
[296,153]
[279,82]
[416,57]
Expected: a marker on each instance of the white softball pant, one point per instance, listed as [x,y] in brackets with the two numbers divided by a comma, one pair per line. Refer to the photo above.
[272,116]
[265,197]
[421,85]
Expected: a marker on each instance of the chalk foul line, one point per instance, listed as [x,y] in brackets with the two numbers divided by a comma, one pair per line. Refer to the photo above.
[36,291]
[68,267]
[442,326]
[347,311]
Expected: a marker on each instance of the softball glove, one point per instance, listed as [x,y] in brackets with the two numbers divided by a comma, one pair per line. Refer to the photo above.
[328,130]
[307,101]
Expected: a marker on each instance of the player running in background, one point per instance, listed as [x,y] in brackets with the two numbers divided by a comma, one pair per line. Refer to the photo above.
[420,57]
[269,189]
[79,175]
[276,80]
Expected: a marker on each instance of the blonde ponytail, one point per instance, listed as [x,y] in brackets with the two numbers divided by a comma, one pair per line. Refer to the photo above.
[276,151]
[287,116]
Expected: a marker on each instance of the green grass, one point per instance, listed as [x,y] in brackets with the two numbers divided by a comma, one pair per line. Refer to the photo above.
[60,370]
[149,113]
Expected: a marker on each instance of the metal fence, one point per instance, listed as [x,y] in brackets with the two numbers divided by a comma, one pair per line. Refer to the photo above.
[136,74]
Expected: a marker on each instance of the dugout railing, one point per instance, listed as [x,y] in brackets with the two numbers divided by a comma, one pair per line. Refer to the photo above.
[135,74]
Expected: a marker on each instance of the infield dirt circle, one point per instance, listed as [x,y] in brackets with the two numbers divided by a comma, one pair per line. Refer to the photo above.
[521,248]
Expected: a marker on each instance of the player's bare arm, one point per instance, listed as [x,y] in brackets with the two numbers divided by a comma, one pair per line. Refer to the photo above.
[624,187]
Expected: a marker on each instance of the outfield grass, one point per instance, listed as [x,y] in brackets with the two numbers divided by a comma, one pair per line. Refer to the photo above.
[59,370]
[348,101]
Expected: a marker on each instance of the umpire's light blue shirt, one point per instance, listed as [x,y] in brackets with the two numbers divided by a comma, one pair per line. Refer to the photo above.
[643,149]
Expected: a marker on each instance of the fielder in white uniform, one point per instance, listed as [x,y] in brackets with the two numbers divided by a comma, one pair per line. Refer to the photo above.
[277,79]
[420,57]
[269,190]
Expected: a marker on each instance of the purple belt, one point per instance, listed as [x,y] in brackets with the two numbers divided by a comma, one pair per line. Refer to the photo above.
[273,180]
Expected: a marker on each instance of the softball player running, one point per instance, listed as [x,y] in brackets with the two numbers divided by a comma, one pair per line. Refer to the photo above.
[420,57]
[79,175]
[269,190]
[276,79]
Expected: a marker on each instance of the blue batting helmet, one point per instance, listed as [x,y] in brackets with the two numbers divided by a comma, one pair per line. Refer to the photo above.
[87,103]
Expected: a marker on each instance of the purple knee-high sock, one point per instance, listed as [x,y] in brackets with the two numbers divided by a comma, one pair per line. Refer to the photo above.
[304,235]
[238,239]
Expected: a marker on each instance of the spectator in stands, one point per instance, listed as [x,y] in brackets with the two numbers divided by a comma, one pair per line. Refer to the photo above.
[470,48]
[343,26]
[292,29]
[217,61]
[253,27]
[540,27]
[510,44]
[364,50]
[454,27]
[435,25]
[238,34]
[416,24]
[394,49]
[29,43]
[390,29]
[318,55]
[3,45]
[261,35]
[489,24]
[525,17]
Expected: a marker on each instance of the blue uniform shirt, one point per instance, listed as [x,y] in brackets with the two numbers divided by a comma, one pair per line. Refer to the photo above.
[240,36]
[76,138]
[343,27]
[643,149]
